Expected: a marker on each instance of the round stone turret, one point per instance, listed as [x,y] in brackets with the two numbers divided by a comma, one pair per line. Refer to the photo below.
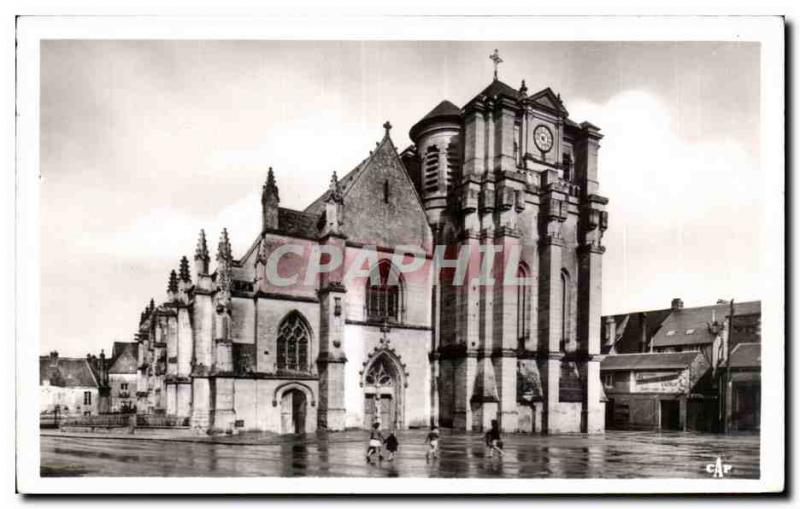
[438,141]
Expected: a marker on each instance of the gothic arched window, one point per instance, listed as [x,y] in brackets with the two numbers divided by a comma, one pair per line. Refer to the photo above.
[380,374]
[294,339]
[523,305]
[384,293]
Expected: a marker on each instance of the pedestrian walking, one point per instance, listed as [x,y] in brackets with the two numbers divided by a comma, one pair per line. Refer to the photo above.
[375,443]
[391,446]
[493,441]
[433,440]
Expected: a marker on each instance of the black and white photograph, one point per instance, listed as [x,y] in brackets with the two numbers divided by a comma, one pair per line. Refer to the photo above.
[400,255]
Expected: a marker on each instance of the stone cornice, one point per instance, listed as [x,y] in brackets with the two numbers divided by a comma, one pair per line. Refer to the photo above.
[329,358]
[388,324]
[282,296]
[596,198]
[332,287]
[551,240]
[591,248]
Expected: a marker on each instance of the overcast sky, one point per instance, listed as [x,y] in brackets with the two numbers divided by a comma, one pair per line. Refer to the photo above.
[144,143]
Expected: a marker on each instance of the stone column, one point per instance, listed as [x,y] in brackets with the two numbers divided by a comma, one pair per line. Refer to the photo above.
[504,116]
[436,321]
[474,139]
[223,414]
[331,361]
[484,402]
[201,402]
[551,245]
[468,310]
[594,223]
[505,308]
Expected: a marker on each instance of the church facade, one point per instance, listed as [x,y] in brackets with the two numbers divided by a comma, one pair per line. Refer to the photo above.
[386,300]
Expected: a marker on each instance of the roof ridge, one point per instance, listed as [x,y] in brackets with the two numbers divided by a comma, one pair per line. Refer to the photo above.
[650,353]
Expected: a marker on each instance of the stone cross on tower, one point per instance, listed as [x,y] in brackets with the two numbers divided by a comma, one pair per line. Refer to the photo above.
[495,57]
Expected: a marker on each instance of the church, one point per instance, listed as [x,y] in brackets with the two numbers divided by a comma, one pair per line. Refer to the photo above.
[234,346]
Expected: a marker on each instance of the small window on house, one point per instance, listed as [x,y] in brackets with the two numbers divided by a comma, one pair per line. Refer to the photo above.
[386,191]
[670,333]
[689,331]
[87,398]
[123,387]
[608,379]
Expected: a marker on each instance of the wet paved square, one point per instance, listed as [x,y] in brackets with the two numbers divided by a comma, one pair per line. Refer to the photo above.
[616,454]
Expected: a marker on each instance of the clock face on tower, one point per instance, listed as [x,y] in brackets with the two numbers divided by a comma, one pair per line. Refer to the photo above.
[543,138]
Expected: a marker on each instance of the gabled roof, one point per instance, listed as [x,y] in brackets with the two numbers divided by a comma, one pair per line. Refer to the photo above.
[347,183]
[66,372]
[746,355]
[648,361]
[548,100]
[629,329]
[690,326]
[660,322]
[124,358]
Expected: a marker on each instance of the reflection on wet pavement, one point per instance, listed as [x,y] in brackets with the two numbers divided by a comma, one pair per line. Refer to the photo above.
[617,454]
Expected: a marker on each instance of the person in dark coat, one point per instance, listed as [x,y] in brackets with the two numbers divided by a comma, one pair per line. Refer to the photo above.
[391,446]
[493,441]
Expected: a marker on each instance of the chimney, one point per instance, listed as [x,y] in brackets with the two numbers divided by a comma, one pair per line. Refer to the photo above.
[611,331]
[644,346]
[54,358]
[677,304]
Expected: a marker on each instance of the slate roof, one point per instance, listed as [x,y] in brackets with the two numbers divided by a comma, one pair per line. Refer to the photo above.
[497,87]
[629,329]
[746,355]
[124,358]
[317,207]
[660,321]
[66,372]
[445,110]
[648,361]
[297,223]
[675,329]
[346,183]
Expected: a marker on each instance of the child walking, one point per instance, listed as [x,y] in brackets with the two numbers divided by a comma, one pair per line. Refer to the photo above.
[391,446]
[433,440]
[375,443]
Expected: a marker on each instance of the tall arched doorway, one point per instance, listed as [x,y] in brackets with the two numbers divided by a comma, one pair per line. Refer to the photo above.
[383,393]
[293,411]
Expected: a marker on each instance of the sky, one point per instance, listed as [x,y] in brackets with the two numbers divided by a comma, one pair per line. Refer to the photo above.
[142,143]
